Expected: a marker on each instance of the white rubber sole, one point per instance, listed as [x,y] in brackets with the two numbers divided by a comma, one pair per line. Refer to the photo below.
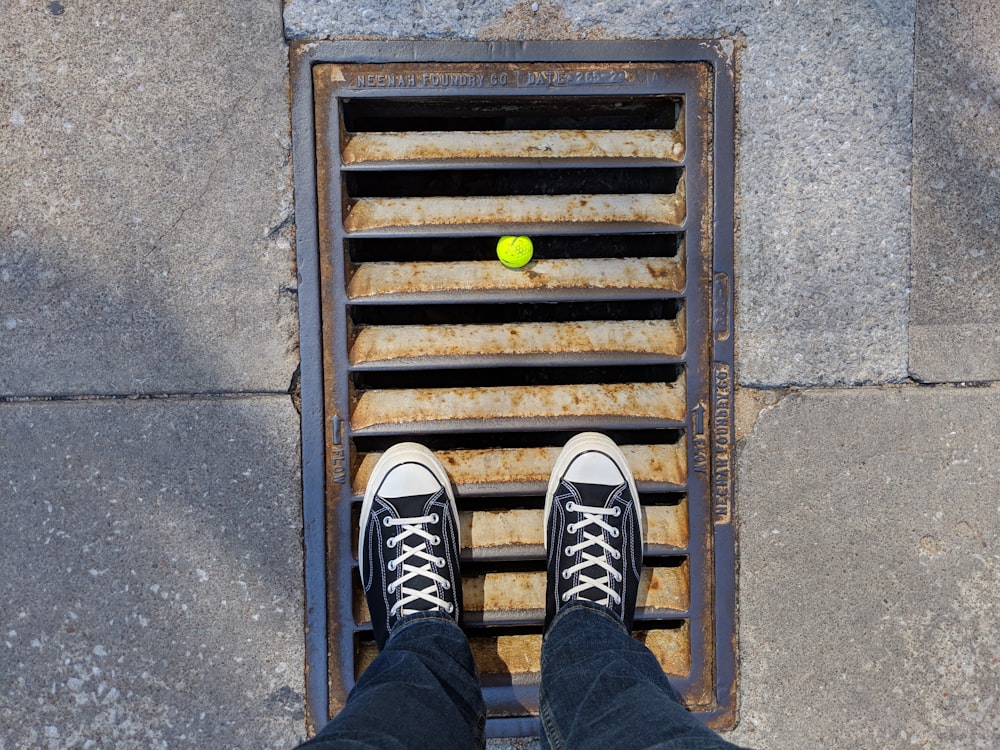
[582,443]
[404,453]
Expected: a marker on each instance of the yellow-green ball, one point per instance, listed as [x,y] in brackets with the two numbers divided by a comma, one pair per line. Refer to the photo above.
[515,252]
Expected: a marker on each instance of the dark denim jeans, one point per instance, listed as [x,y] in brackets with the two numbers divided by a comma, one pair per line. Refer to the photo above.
[601,690]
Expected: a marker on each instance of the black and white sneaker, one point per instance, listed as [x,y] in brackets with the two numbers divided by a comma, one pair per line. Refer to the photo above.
[408,545]
[593,528]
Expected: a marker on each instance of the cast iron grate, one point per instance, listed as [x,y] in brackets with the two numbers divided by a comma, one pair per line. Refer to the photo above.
[621,172]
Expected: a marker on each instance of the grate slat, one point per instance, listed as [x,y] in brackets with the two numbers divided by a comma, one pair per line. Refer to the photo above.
[663,465]
[653,209]
[385,344]
[509,598]
[516,658]
[518,534]
[389,149]
[489,407]
[380,283]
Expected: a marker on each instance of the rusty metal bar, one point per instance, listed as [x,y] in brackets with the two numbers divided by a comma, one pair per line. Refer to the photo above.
[384,344]
[511,597]
[385,280]
[389,149]
[385,408]
[517,658]
[666,209]
[655,464]
[518,533]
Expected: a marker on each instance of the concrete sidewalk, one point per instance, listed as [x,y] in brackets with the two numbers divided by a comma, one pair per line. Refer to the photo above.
[150,544]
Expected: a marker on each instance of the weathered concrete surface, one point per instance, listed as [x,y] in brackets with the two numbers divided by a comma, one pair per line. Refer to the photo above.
[869,570]
[145,238]
[955,307]
[150,574]
[823,156]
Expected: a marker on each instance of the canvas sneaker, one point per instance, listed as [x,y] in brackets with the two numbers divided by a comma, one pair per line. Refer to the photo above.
[593,529]
[408,544]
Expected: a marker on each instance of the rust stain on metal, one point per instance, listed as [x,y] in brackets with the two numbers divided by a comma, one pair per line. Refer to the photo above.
[665,209]
[387,343]
[662,464]
[663,592]
[375,279]
[671,646]
[406,405]
[507,654]
[521,529]
[501,529]
[393,147]
[666,525]
[519,656]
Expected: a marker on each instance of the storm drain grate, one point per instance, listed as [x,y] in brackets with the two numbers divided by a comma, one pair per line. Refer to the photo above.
[621,173]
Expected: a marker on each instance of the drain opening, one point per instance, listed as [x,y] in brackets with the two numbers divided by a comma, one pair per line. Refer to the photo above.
[409,114]
[442,249]
[614,173]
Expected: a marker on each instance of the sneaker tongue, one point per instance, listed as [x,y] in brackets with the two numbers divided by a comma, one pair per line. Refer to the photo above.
[415,506]
[595,496]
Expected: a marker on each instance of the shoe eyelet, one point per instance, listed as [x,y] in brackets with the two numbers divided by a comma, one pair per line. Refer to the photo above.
[618,511]
[565,575]
[570,528]
[618,577]
[615,533]
[386,522]
[390,588]
[451,608]
[435,518]
[441,562]
[446,585]
[391,565]
[436,540]
[571,506]
[565,598]
[617,555]
[568,552]
[390,542]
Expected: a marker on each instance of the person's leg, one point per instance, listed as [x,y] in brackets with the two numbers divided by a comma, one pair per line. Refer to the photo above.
[422,690]
[600,688]
[603,689]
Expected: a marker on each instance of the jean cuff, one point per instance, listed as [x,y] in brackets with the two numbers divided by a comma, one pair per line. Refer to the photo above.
[581,605]
[417,617]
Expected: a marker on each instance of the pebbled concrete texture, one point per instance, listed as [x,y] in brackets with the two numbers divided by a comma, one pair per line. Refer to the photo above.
[145,238]
[955,307]
[869,566]
[150,574]
[824,153]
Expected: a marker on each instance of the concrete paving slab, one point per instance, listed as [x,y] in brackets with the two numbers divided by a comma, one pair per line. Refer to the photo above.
[824,155]
[150,574]
[869,570]
[145,228]
[955,307]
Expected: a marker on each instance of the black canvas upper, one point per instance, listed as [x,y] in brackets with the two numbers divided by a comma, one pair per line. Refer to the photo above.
[376,576]
[628,544]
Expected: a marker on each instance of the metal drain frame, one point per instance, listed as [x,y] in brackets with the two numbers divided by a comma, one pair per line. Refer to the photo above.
[714,392]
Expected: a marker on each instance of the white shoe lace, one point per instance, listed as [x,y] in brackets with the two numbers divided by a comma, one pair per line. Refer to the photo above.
[419,566]
[593,517]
